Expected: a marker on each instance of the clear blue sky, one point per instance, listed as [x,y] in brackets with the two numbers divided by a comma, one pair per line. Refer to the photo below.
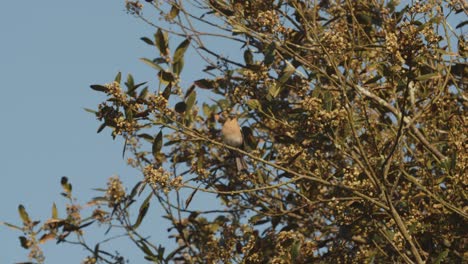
[50,52]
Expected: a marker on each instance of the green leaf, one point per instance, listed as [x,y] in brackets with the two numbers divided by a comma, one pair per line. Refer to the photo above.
[274,90]
[166,77]
[101,127]
[167,91]
[205,84]
[152,64]
[373,79]
[270,54]
[191,100]
[442,256]
[146,137]
[189,199]
[180,51]
[135,189]
[162,43]
[23,214]
[118,77]
[157,144]
[248,57]
[254,104]
[11,226]
[287,72]
[173,12]
[178,66]
[130,83]
[90,111]
[428,76]
[147,41]
[143,210]
[54,211]
[99,88]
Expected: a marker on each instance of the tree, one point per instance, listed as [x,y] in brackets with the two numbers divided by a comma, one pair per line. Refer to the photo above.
[354,120]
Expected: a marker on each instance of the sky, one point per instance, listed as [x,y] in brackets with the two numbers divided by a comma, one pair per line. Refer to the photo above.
[50,52]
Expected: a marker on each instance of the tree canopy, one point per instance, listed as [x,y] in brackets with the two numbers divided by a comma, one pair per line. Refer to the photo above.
[355,135]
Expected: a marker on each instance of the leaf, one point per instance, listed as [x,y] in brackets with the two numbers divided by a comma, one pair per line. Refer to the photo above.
[23,214]
[254,104]
[135,189]
[24,242]
[147,41]
[54,211]
[287,72]
[157,144]
[180,51]
[462,24]
[249,139]
[152,64]
[270,54]
[145,136]
[130,83]
[166,77]
[90,111]
[205,84]
[118,77]
[167,91]
[101,127]
[173,12]
[373,79]
[191,100]
[274,90]
[99,88]
[143,210]
[180,107]
[428,76]
[442,256]
[11,226]
[189,199]
[162,43]
[248,57]
[178,66]
[46,237]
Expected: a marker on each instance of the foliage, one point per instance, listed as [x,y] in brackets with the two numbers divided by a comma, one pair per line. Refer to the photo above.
[354,117]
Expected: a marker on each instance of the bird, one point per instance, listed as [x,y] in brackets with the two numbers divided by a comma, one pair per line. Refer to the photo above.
[232,136]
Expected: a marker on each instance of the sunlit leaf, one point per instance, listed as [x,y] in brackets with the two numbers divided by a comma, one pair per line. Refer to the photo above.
[173,12]
[191,100]
[24,215]
[54,211]
[45,237]
[428,76]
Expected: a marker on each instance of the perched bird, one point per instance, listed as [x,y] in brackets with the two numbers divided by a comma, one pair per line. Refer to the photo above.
[232,136]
